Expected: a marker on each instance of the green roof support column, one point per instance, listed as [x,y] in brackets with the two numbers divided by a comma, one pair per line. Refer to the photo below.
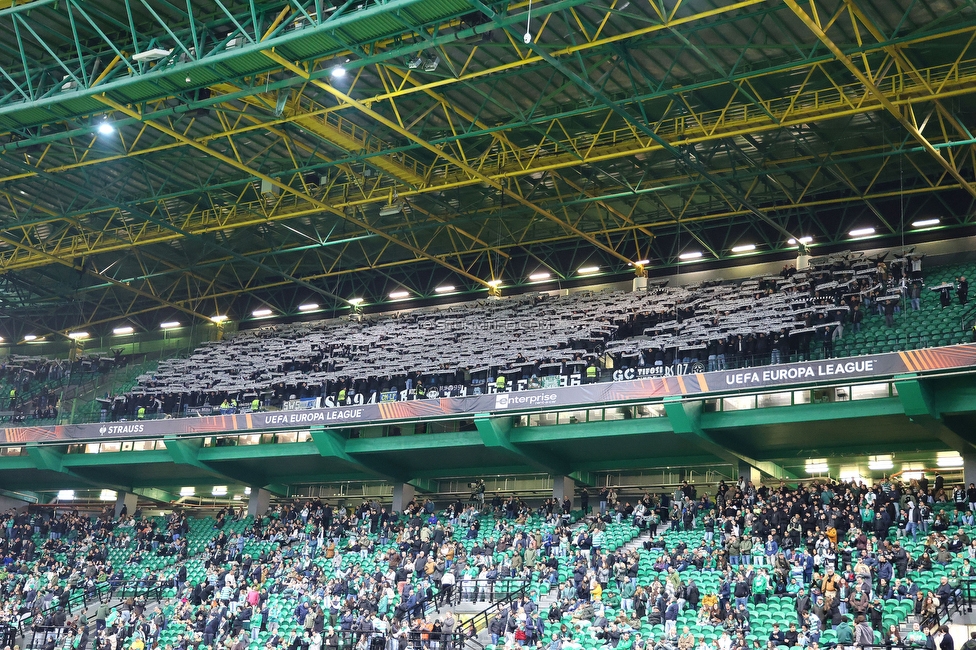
[685,418]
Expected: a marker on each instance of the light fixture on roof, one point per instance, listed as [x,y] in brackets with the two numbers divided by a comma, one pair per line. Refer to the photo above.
[861,232]
[431,64]
[803,240]
[415,62]
[447,288]
[105,128]
[642,262]
[948,459]
[155,54]
[880,462]
[219,490]
[1,339]
[168,325]
[925,223]
[690,255]
[66,495]
[391,209]
[30,337]
[247,490]
[187,491]
[744,248]
[108,495]
[912,471]
[586,270]
[219,318]
[356,301]
[121,331]
[541,275]
[77,336]
[260,313]
[338,72]
[495,283]
[309,306]
[816,465]
[396,295]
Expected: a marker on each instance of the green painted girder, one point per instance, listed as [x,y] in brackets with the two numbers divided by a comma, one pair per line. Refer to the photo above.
[132,82]
[331,444]
[589,430]
[51,458]
[801,413]
[686,421]
[495,433]
[186,451]
[156,494]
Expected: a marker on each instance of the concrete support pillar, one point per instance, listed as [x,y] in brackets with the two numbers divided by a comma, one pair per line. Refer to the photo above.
[257,504]
[969,468]
[750,473]
[128,500]
[563,487]
[402,495]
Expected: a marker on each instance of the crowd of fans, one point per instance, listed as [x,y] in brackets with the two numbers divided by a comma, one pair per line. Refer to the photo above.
[348,577]
[525,341]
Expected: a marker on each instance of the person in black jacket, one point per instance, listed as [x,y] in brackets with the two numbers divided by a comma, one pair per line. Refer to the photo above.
[962,290]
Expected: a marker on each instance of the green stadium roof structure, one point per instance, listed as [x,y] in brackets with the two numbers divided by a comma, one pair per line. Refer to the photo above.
[162,160]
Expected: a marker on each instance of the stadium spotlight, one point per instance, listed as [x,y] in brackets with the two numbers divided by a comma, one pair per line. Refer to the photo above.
[495,283]
[880,462]
[396,295]
[108,495]
[219,490]
[338,72]
[817,466]
[861,232]
[261,313]
[66,495]
[641,262]
[803,240]
[541,275]
[219,318]
[168,325]
[30,337]
[358,301]
[925,223]
[187,491]
[744,248]
[247,490]
[77,335]
[586,270]
[105,128]
[121,331]
[309,306]
[690,255]
[447,288]
[948,459]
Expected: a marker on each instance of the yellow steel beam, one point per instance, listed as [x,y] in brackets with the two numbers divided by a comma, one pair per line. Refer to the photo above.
[796,205]
[284,187]
[875,91]
[440,153]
